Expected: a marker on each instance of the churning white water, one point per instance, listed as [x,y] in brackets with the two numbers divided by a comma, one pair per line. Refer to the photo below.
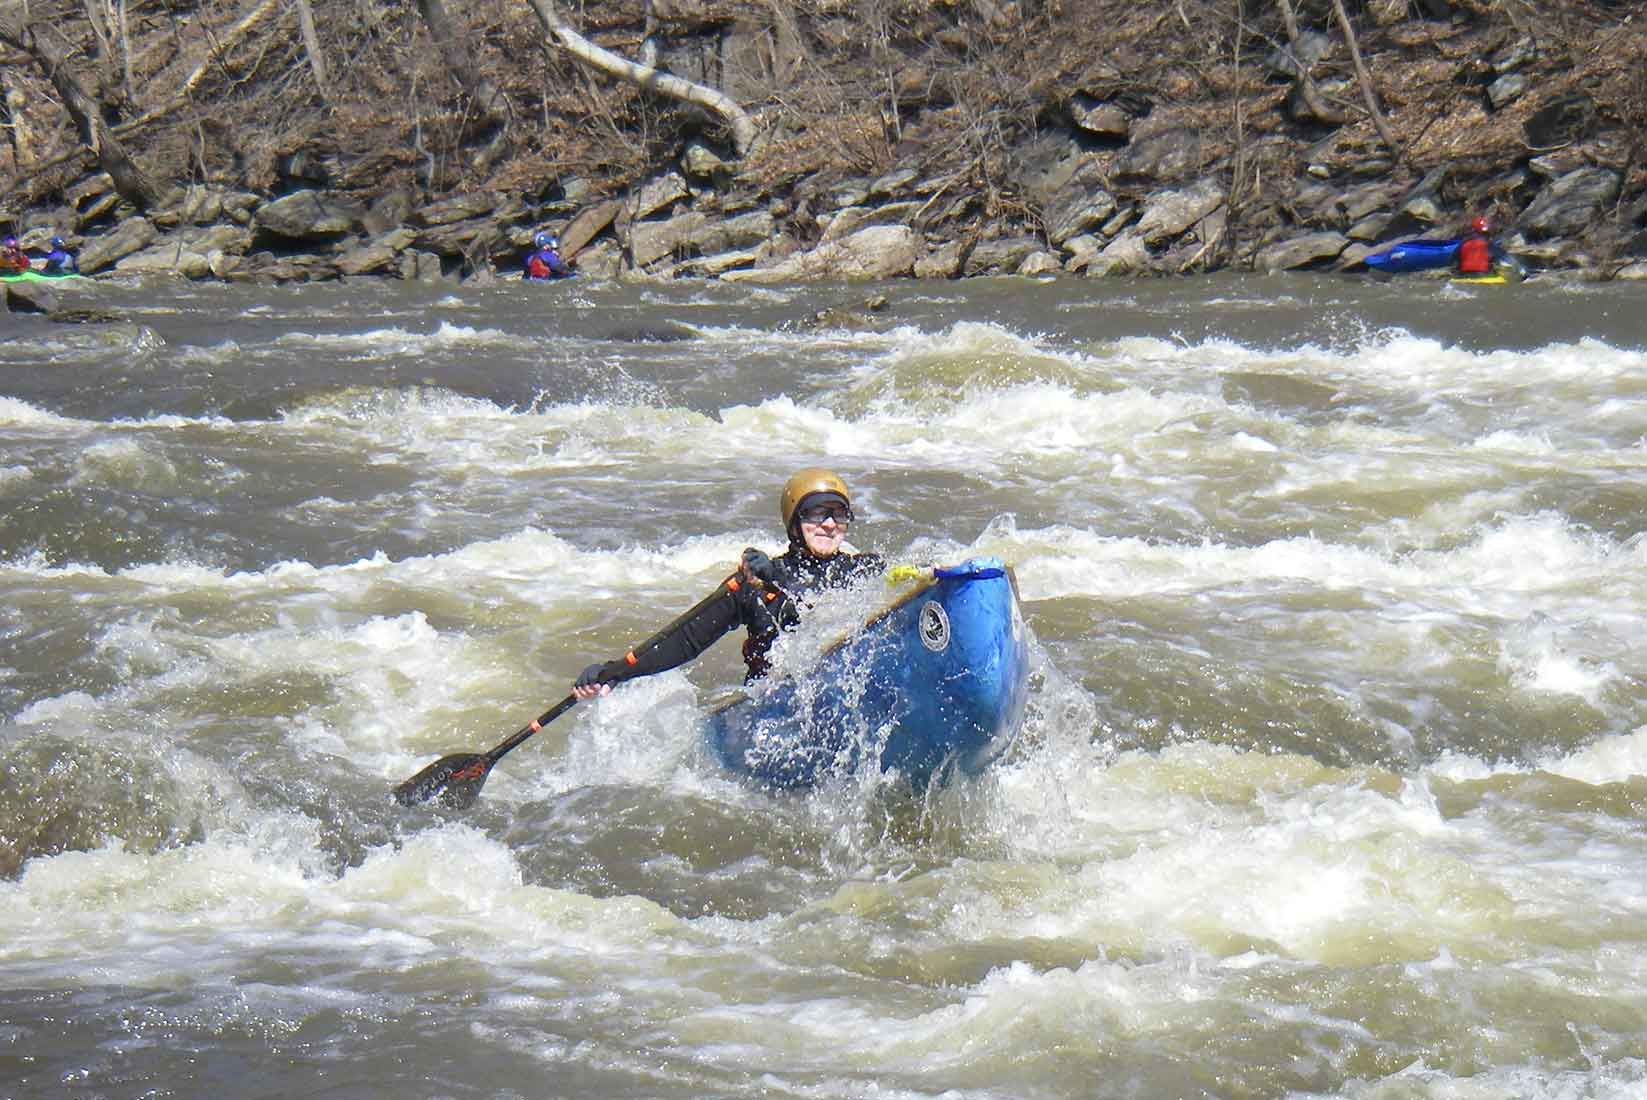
[1333,783]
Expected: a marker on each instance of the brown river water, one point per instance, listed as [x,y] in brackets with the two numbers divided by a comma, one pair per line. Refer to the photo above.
[1333,782]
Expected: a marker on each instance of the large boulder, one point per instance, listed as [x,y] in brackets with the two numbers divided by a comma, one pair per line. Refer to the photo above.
[656,195]
[878,252]
[1301,251]
[305,216]
[380,257]
[652,241]
[1080,204]
[1162,148]
[844,223]
[1570,205]
[1000,256]
[943,262]
[30,298]
[458,208]
[1100,118]
[1169,213]
[132,235]
[589,224]
[191,253]
[742,231]
[1125,255]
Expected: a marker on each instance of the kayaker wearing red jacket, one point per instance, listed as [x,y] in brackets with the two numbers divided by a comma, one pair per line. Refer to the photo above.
[545,262]
[1475,252]
[766,595]
[12,257]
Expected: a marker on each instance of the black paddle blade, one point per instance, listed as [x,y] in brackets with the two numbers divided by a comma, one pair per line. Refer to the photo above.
[457,779]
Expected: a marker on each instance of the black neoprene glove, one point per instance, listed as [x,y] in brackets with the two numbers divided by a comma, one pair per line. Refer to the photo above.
[758,565]
[590,676]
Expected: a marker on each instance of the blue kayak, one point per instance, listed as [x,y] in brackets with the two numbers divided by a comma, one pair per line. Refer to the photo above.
[1413,256]
[932,685]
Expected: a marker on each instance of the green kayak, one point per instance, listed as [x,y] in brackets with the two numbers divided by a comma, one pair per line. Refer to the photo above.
[39,276]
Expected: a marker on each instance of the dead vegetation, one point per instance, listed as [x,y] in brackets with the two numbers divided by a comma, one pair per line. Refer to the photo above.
[373,96]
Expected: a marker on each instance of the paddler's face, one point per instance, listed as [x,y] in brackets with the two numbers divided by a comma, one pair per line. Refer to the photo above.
[823,530]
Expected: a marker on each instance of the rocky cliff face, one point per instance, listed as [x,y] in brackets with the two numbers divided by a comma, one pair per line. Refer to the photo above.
[891,137]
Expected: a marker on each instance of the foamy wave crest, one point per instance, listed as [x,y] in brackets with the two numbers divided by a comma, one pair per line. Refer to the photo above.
[15,413]
[1501,569]
[930,371]
[1614,759]
[393,343]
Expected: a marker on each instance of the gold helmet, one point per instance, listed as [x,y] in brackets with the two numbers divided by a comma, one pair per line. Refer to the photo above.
[810,482]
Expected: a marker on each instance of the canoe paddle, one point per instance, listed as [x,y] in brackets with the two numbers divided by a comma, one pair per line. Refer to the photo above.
[457,778]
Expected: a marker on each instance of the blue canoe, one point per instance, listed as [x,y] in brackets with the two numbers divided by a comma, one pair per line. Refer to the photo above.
[1413,256]
[931,685]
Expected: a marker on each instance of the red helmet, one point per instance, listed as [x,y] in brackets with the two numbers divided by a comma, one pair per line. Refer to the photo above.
[1478,224]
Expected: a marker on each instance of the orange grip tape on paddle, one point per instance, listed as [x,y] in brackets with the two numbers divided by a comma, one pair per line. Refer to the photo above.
[630,659]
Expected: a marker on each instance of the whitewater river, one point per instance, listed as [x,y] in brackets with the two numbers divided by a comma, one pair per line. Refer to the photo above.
[1333,783]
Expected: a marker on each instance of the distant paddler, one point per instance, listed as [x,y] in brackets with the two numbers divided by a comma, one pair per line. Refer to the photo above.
[544,261]
[1479,257]
[60,261]
[13,260]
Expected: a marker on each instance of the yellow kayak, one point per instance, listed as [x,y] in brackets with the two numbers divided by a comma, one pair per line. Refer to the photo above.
[1494,279]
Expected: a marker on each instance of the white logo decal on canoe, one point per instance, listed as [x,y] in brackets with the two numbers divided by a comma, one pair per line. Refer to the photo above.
[934,626]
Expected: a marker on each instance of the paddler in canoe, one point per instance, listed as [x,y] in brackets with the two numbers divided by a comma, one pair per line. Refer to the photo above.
[765,596]
[953,693]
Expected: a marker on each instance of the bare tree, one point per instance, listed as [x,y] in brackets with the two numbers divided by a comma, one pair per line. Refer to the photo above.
[489,99]
[311,46]
[21,32]
[1365,80]
[645,76]
[1305,87]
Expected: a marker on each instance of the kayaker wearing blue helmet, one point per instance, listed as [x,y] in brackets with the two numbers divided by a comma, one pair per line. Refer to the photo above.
[544,262]
[766,595]
[60,261]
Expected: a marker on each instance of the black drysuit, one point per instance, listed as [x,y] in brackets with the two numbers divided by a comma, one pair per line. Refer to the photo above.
[763,608]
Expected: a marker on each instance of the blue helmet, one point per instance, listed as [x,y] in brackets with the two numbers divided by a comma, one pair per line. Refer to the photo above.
[546,239]
[57,242]
[11,242]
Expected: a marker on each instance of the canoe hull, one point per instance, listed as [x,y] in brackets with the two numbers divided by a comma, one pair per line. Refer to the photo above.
[933,685]
[1413,256]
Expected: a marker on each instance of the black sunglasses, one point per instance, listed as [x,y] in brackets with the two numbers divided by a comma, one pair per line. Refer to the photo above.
[820,512]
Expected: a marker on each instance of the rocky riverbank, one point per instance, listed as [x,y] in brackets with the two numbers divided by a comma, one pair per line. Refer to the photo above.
[1259,160]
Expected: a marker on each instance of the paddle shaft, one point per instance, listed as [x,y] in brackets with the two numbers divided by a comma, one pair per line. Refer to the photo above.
[532,727]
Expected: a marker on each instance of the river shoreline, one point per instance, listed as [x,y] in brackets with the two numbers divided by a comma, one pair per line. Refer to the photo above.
[1267,144]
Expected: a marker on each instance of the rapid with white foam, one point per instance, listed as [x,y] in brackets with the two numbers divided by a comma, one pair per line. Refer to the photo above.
[1333,782]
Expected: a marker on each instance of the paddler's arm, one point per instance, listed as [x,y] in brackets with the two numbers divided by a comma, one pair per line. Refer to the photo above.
[1499,256]
[699,628]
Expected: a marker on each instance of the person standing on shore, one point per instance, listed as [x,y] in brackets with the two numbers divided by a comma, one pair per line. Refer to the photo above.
[545,262]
